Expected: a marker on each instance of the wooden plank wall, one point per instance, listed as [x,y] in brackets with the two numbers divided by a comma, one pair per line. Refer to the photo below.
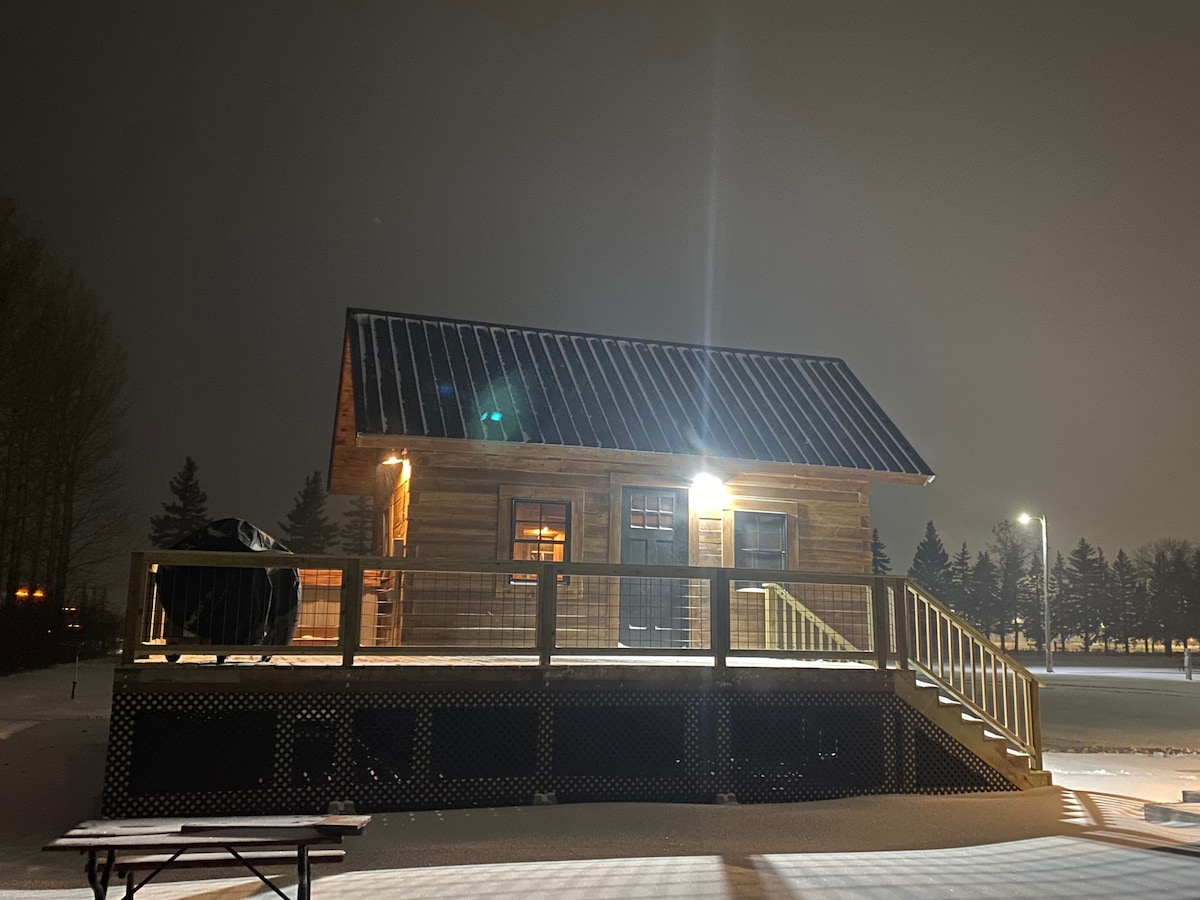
[454,506]
[458,498]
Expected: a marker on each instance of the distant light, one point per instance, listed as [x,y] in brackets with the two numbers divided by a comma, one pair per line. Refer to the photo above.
[1024,518]
[22,593]
[708,492]
[494,416]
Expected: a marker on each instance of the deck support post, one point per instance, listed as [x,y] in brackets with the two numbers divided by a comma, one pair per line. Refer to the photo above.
[350,624]
[547,613]
[718,611]
[138,581]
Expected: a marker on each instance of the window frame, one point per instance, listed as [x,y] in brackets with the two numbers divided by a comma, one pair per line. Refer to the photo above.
[515,540]
[505,517]
[785,539]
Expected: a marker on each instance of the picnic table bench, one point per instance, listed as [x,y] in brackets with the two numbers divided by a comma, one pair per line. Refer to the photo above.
[129,846]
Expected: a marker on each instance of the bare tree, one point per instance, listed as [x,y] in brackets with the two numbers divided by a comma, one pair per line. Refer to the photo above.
[62,401]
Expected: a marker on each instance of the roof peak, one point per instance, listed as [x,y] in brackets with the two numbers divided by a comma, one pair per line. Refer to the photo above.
[719,348]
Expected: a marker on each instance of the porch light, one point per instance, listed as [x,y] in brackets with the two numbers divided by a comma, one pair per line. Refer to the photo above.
[708,493]
[392,460]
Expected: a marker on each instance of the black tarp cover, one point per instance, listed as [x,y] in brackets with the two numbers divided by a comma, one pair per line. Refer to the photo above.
[231,605]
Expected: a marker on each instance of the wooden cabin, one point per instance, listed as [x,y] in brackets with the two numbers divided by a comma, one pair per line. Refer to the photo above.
[482,441]
[625,570]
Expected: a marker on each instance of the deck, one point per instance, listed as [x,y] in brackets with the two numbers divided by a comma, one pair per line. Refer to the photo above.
[802,687]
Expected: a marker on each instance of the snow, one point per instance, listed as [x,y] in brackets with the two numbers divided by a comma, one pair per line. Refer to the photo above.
[1086,836]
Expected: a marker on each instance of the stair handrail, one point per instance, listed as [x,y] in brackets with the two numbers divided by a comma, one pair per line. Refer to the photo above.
[999,690]
[837,641]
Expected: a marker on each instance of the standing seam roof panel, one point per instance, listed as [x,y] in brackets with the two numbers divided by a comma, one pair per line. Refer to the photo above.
[430,376]
[587,371]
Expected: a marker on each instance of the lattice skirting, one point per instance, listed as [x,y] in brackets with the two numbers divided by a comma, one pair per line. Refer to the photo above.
[215,752]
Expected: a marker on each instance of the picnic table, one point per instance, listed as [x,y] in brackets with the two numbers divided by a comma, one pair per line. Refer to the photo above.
[127,846]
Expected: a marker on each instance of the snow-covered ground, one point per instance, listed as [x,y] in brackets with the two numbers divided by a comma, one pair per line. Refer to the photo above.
[1085,837]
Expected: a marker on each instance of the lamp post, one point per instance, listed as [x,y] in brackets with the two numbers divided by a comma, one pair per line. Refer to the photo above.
[1025,519]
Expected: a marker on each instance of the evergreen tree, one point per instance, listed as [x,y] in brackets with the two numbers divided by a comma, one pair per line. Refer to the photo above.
[1058,578]
[357,526]
[958,591]
[1032,611]
[1011,551]
[1126,615]
[931,565]
[982,596]
[187,514]
[308,529]
[881,563]
[1081,595]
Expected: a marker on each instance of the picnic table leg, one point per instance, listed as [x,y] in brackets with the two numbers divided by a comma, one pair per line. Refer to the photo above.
[98,877]
[302,872]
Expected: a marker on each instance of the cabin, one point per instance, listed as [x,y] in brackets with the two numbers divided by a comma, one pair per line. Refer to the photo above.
[482,441]
[605,569]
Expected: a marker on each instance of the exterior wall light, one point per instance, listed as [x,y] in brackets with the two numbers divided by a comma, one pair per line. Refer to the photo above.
[708,493]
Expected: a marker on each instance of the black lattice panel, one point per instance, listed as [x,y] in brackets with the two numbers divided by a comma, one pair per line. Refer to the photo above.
[225,752]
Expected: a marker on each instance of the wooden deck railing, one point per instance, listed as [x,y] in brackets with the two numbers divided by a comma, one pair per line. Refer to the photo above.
[965,664]
[357,609]
[793,626]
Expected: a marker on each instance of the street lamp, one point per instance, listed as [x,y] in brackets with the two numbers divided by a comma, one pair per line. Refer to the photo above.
[1025,519]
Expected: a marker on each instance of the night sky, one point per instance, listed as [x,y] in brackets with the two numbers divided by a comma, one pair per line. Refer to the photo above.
[990,211]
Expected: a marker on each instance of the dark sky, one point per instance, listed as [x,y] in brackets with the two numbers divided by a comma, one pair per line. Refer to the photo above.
[990,210]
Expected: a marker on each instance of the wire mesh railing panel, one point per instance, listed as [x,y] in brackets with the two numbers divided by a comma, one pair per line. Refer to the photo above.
[319,622]
[189,607]
[420,608]
[800,617]
[609,612]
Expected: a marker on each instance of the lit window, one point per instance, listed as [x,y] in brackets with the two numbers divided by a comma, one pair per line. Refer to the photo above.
[539,532]
[760,540]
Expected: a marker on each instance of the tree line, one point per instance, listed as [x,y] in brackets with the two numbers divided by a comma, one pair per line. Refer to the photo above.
[1149,599]
[307,528]
[63,512]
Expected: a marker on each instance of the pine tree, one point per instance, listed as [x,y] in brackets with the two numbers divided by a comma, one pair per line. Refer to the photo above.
[308,529]
[1081,601]
[1058,578]
[357,531]
[1032,610]
[1126,614]
[1010,551]
[931,565]
[982,599]
[187,514]
[958,593]
[881,563]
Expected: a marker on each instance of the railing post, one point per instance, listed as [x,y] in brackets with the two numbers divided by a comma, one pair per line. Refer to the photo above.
[900,617]
[718,614]
[1033,711]
[135,608]
[350,621]
[879,615]
[547,613]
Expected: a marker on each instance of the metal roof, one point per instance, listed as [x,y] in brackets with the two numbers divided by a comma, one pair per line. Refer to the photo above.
[444,378]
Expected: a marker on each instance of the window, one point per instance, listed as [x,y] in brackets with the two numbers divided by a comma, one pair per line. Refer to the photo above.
[652,511]
[540,532]
[760,540]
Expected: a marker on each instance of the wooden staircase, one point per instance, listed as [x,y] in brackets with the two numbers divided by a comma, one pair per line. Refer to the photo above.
[957,721]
